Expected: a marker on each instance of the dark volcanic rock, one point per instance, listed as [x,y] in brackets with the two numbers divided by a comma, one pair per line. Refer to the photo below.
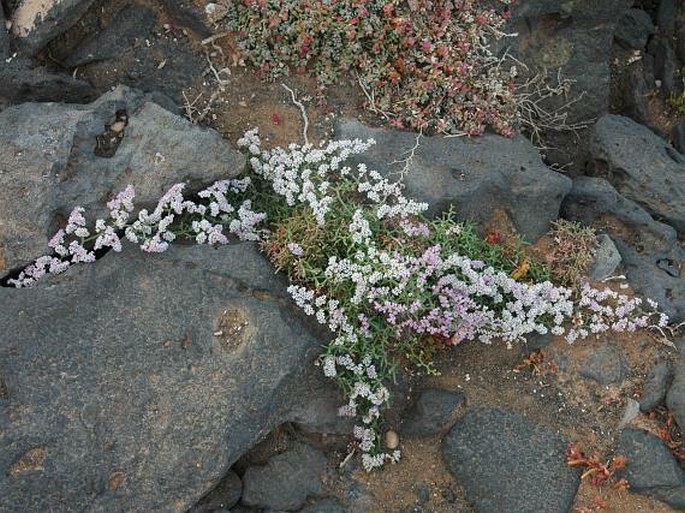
[492,171]
[666,17]
[432,412]
[50,163]
[140,44]
[680,34]
[134,383]
[318,411]
[605,365]
[225,495]
[654,389]
[4,36]
[650,250]
[286,481]
[324,506]
[35,24]
[506,463]
[634,29]
[186,15]
[132,23]
[665,64]
[675,399]
[642,167]
[22,81]
[606,258]
[678,136]
[651,469]
[572,39]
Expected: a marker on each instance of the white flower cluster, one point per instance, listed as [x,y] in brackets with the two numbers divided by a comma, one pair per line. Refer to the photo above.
[360,229]
[153,231]
[388,196]
[371,462]
[299,173]
[607,310]
[409,293]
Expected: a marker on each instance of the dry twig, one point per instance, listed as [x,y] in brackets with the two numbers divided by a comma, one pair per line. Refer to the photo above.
[302,111]
[372,101]
[408,161]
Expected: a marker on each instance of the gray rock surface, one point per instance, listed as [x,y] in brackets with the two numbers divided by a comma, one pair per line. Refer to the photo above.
[318,411]
[286,481]
[573,39]
[187,16]
[432,412]
[642,167]
[649,249]
[678,136]
[651,469]
[506,463]
[35,24]
[225,495]
[675,398]
[477,176]
[49,164]
[666,17]
[4,36]
[606,259]
[131,23]
[605,365]
[665,65]
[680,33]
[134,383]
[634,29]
[22,81]
[655,387]
[632,94]
[150,46]
[324,506]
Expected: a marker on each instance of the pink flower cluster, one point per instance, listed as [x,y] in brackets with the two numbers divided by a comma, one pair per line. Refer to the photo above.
[153,231]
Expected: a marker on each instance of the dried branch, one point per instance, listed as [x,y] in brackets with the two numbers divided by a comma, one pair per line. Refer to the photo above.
[302,111]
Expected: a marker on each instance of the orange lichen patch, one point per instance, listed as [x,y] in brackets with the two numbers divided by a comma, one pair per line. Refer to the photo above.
[30,461]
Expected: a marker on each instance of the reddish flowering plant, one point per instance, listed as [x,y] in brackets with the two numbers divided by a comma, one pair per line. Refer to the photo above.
[422,63]
[595,469]
[494,237]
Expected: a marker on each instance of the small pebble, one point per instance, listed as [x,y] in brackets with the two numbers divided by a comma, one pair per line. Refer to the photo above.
[392,439]
[117,126]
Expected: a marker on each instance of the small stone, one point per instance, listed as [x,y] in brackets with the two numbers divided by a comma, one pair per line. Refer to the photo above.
[286,481]
[392,439]
[432,412]
[607,258]
[652,470]
[118,126]
[423,493]
[605,365]
[634,29]
[631,411]
[655,387]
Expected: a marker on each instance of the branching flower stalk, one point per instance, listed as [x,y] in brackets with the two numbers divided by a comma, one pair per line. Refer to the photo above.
[392,286]
[174,216]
